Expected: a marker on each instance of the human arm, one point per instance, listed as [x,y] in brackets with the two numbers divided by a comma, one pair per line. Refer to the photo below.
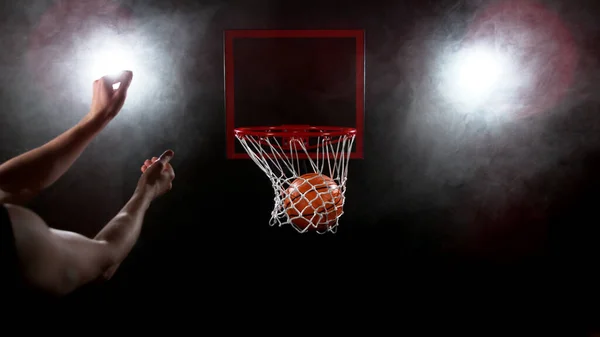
[59,262]
[23,177]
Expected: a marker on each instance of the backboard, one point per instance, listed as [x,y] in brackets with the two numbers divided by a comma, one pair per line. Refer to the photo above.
[294,77]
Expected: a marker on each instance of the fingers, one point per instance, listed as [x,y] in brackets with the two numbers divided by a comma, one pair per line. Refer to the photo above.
[163,161]
[105,84]
[124,77]
[163,164]
[148,163]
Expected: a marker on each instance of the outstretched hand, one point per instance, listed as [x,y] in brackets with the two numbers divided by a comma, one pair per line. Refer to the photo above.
[157,175]
[107,101]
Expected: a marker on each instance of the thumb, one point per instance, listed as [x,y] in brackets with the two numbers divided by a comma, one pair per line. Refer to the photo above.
[125,79]
[165,158]
[161,162]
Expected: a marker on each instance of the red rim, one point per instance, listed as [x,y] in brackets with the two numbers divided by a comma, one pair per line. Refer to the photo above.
[295,130]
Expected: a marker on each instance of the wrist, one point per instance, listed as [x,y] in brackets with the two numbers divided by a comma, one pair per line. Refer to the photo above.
[142,195]
[93,122]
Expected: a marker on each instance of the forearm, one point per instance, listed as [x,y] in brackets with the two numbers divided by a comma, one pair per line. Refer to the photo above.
[41,167]
[123,230]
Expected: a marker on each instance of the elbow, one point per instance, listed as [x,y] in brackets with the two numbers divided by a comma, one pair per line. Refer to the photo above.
[110,266]
[70,280]
[76,276]
[73,279]
[60,287]
[109,273]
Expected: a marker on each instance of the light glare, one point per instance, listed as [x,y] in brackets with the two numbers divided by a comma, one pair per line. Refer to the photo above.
[478,71]
[480,77]
[111,61]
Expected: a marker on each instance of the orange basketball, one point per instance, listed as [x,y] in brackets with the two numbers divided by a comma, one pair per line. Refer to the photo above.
[314,201]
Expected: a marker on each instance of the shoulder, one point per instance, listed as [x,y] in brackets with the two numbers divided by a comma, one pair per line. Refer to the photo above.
[15,285]
[33,242]
[20,212]
[30,230]
[8,250]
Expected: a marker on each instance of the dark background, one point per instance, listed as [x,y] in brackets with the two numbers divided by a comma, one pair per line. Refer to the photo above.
[302,81]
[436,186]
[306,80]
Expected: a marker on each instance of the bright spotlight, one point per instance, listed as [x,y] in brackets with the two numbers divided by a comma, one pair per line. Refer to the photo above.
[111,60]
[476,75]
[107,53]
[477,72]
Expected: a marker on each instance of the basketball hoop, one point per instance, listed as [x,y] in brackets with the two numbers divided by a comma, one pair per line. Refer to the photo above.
[308,168]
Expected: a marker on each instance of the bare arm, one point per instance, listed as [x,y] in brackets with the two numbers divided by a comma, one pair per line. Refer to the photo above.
[59,262]
[124,229]
[24,176]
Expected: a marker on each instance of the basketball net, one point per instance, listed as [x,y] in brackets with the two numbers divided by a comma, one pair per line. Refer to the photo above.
[286,159]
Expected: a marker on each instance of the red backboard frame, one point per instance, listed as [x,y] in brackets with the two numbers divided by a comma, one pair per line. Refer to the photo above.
[231,35]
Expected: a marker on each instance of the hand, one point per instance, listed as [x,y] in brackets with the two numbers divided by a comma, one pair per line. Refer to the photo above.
[157,176]
[106,101]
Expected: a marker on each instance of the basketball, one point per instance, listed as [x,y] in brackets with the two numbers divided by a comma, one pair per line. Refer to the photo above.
[314,201]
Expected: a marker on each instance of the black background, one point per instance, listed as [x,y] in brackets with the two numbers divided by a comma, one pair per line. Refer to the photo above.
[302,81]
[519,193]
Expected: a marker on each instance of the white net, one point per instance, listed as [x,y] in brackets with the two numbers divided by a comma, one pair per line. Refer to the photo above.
[308,169]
